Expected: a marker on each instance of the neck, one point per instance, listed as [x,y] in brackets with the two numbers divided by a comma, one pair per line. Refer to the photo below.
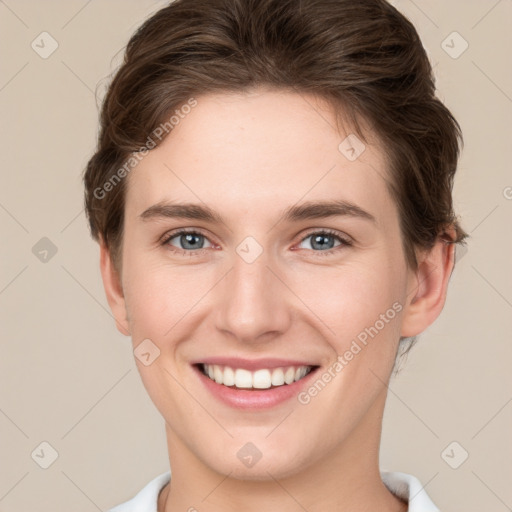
[348,479]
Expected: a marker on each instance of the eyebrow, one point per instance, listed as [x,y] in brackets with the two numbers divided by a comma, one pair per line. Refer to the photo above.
[305,211]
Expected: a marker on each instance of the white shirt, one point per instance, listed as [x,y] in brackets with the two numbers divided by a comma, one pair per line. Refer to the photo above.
[402,485]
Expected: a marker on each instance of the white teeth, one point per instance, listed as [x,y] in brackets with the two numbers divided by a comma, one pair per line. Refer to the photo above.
[260,379]
[229,377]
[218,375]
[278,377]
[289,375]
[243,378]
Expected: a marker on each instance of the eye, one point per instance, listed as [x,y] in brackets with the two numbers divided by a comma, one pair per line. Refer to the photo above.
[324,241]
[186,240]
[191,241]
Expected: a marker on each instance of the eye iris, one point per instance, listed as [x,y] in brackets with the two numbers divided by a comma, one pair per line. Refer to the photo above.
[320,240]
[189,238]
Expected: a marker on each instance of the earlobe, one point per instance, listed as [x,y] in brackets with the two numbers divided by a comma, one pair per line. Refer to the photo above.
[113,290]
[427,287]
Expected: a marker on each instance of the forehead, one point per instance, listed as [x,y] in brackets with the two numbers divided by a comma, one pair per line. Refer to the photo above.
[244,148]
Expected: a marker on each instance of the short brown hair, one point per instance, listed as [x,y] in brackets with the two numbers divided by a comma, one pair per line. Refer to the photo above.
[365,58]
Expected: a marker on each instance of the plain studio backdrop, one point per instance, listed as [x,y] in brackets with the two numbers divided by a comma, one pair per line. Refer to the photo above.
[69,387]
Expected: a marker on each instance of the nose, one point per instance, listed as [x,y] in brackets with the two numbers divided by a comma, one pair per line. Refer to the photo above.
[254,304]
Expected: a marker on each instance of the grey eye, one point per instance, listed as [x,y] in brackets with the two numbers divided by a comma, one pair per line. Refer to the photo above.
[188,240]
[321,241]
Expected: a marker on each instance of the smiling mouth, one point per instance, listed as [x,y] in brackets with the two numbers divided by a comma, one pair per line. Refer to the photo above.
[260,379]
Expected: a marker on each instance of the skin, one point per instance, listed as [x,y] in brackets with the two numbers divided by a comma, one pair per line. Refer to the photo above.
[249,157]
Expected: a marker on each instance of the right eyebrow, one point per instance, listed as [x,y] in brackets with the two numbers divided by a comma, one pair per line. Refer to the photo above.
[181,211]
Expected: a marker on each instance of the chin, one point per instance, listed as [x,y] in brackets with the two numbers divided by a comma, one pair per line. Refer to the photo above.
[264,466]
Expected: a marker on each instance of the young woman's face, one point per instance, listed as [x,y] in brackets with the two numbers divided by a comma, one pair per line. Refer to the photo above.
[298,264]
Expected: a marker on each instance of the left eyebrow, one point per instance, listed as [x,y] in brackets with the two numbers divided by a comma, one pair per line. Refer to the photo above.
[324,209]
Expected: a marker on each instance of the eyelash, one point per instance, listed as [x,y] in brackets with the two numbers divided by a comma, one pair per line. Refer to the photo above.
[345,241]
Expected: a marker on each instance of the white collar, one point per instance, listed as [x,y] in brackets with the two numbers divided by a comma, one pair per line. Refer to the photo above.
[402,485]
[408,488]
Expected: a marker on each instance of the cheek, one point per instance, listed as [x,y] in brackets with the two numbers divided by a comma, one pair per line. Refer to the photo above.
[162,299]
[351,298]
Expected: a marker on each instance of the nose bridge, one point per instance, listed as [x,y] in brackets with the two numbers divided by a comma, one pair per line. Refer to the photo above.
[253,299]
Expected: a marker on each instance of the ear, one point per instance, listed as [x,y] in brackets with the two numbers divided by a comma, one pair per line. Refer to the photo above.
[427,286]
[113,290]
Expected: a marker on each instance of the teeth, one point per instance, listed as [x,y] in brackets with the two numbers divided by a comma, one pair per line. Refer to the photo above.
[228,377]
[289,375]
[277,377]
[218,375]
[260,379]
[243,378]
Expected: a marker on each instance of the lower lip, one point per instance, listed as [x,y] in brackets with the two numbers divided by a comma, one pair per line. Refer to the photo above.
[252,398]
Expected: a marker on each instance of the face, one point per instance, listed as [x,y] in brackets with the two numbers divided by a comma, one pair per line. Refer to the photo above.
[291,258]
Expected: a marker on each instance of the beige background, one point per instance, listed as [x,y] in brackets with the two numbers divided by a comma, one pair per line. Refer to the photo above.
[68,378]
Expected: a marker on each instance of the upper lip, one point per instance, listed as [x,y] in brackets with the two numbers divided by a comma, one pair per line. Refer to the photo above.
[252,364]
